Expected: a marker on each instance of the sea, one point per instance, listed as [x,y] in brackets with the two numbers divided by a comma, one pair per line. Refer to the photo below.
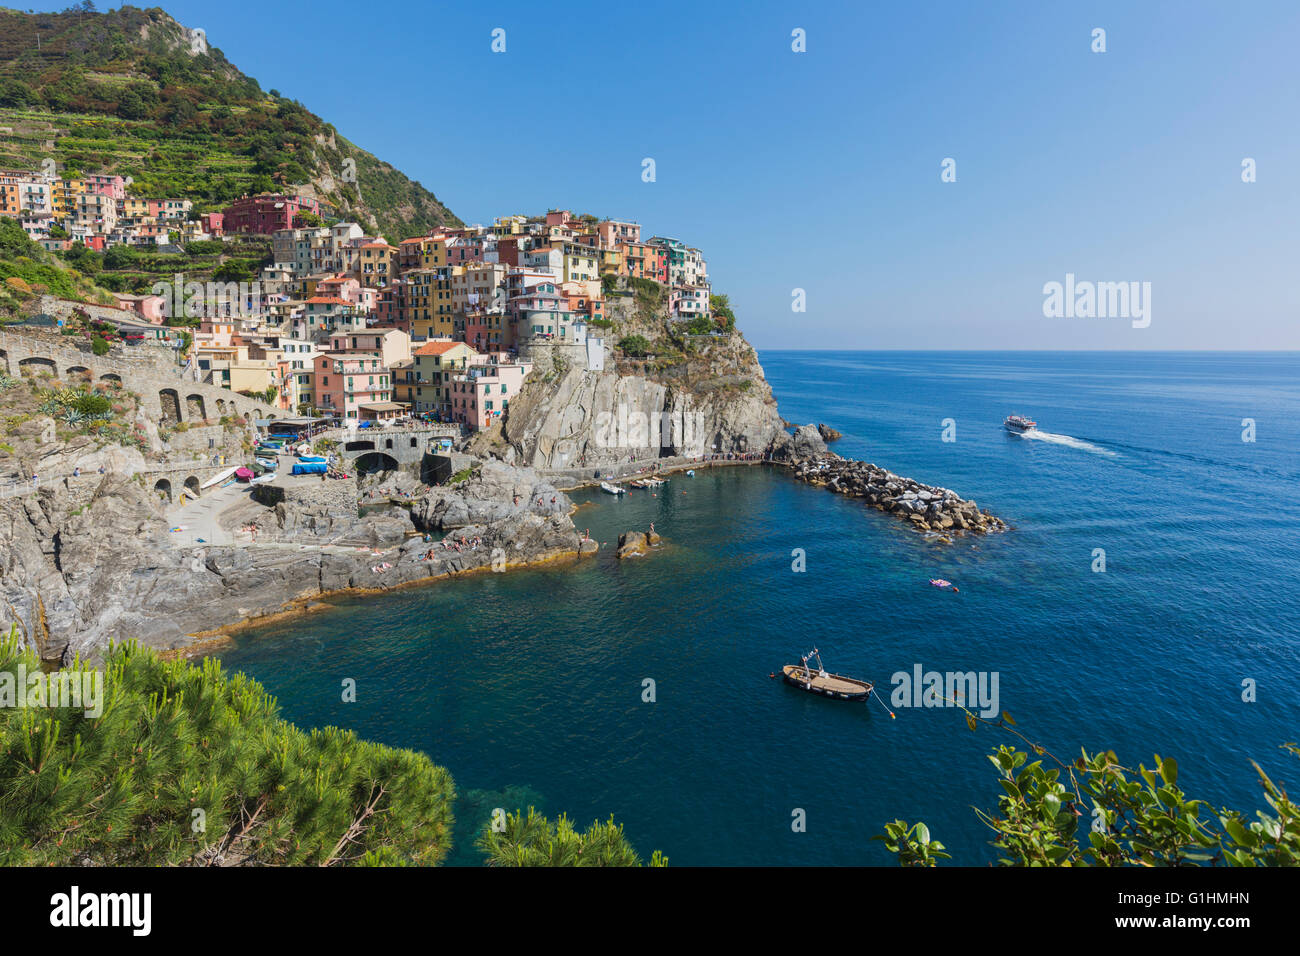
[1143,601]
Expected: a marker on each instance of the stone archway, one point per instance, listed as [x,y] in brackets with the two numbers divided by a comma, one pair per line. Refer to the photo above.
[4,361]
[359,446]
[171,406]
[221,406]
[195,408]
[192,486]
[375,461]
[78,370]
[163,489]
[111,377]
[35,365]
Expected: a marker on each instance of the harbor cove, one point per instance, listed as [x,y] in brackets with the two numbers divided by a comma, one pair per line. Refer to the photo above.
[828,436]
[531,686]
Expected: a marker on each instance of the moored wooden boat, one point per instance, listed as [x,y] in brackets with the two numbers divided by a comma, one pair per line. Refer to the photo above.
[820,682]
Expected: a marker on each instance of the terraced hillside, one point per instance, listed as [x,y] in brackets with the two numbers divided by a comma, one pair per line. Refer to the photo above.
[133,92]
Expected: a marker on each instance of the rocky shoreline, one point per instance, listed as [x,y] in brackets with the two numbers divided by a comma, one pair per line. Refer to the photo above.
[927,507]
[81,566]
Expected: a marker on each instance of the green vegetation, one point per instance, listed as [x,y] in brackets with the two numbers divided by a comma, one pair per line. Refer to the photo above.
[266,395]
[1094,812]
[462,475]
[187,765]
[103,411]
[649,294]
[635,345]
[28,271]
[720,306]
[121,92]
[536,841]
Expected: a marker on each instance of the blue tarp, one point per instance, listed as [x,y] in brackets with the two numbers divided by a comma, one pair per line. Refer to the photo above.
[310,468]
[311,458]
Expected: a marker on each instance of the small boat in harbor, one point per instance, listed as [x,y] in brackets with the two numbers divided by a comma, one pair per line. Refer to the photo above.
[218,478]
[606,487]
[1019,424]
[820,682]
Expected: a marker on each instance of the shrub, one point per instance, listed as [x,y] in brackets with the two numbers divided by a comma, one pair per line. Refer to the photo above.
[536,841]
[122,787]
[635,345]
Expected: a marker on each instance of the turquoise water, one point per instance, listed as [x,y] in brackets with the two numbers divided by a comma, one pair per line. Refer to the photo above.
[528,685]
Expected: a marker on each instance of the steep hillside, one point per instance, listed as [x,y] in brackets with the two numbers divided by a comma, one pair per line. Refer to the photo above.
[663,392]
[133,92]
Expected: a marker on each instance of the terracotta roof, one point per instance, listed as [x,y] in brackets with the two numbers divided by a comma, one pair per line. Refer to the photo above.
[438,348]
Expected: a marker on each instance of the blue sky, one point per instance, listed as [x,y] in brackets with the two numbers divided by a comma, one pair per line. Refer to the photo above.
[821,170]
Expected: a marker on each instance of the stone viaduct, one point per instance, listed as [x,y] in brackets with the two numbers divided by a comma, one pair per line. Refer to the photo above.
[148,370]
[400,446]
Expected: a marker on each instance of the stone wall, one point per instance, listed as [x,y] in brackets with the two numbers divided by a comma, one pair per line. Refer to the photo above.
[147,370]
[65,309]
[206,441]
[335,496]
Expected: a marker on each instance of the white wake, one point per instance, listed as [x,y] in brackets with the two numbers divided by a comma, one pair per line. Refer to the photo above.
[1069,442]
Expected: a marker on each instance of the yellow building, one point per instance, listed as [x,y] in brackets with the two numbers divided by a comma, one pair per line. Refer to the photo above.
[375,264]
[510,225]
[611,262]
[474,286]
[66,192]
[580,263]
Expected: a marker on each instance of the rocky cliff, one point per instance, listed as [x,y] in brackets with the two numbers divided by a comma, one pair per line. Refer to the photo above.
[74,577]
[687,395]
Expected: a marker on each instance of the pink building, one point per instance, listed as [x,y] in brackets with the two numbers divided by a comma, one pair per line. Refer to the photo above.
[151,307]
[463,249]
[482,396]
[114,187]
[342,287]
[485,331]
[614,233]
[346,382]
[263,215]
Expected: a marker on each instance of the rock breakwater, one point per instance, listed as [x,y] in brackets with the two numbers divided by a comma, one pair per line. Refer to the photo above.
[925,507]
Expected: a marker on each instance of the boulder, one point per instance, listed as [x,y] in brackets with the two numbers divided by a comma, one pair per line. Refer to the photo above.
[808,442]
[632,544]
